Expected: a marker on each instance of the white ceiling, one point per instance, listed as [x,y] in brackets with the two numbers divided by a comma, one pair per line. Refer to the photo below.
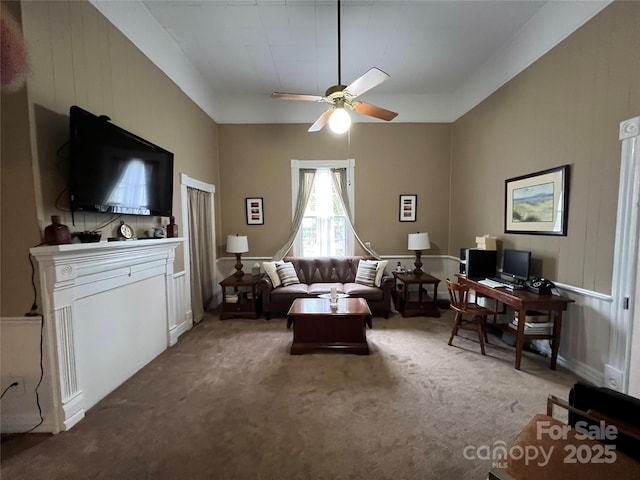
[444,57]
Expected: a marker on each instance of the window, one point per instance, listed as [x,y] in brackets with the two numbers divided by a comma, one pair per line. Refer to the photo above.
[325,229]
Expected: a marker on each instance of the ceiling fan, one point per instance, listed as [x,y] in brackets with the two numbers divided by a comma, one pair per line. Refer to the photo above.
[340,96]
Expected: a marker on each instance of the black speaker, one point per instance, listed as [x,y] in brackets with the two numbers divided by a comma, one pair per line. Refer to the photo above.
[463,261]
[476,263]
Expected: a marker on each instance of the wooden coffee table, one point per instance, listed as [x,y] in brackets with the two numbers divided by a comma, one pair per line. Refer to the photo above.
[317,326]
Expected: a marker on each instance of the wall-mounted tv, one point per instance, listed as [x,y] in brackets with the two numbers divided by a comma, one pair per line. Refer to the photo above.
[114,171]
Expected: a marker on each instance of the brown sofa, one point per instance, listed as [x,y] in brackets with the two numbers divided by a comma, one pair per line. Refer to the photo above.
[317,276]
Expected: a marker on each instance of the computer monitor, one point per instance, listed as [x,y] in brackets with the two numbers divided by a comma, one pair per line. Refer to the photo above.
[515,264]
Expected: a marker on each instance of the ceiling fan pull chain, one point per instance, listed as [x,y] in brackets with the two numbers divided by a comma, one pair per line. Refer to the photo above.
[339,49]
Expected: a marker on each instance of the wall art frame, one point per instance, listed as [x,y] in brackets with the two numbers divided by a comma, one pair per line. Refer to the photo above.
[538,203]
[408,203]
[255,211]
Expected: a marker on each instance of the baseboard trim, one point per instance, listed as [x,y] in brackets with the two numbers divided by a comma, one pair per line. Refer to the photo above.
[581,369]
[178,330]
[23,423]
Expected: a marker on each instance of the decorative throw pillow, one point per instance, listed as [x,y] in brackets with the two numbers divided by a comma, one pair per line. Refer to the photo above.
[366,274]
[382,264]
[287,274]
[270,268]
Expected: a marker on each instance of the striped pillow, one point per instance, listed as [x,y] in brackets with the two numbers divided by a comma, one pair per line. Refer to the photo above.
[287,274]
[366,274]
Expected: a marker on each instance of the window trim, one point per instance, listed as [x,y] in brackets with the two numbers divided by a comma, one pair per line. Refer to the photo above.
[349,164]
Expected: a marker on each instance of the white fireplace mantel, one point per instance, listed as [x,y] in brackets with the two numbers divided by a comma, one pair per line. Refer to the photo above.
[107,310]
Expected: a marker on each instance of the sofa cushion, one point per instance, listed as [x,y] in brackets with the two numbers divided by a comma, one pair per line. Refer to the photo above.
[270,269]
[287,274]
[325,269]
[296,288]
[382,264]
[366,274]
[288,294]
[319,288]
[364,291]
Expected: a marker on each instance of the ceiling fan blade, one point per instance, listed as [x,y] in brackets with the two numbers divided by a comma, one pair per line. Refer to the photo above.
[321,121]
[373,111]
[366,82]
[297,96]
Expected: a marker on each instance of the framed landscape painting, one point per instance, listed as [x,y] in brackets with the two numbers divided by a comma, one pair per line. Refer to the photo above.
[537,204]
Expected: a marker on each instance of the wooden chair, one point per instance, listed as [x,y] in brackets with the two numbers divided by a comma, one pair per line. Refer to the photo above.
[467,312]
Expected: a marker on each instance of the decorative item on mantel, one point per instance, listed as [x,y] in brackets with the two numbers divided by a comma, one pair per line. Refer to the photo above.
[237,244]
[172,228]
[56,233]
[418,242]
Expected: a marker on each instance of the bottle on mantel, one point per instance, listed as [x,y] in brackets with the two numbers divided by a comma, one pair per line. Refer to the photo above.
[56,233]
[172,228]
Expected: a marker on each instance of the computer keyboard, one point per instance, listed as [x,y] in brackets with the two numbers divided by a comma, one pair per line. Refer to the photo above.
[491,283]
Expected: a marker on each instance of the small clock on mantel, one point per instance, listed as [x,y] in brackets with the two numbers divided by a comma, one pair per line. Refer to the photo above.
[125,231]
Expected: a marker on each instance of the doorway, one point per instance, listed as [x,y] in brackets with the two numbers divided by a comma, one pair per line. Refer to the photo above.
[198,215]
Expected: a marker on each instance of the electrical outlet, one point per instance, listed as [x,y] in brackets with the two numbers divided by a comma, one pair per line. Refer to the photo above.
[19,389]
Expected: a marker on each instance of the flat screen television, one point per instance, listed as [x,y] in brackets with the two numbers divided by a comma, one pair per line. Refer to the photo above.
[114,171]
[515,264]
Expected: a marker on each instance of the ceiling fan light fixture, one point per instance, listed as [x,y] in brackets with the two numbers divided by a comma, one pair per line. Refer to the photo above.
[339,96]
[340,121]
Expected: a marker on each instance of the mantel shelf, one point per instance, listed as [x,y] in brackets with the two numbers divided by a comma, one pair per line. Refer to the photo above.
[71,248]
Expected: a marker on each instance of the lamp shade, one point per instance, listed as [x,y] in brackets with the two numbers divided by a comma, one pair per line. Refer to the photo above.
[419,241]
[237,244]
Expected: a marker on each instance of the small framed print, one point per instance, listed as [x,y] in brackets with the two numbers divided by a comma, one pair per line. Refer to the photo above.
[408,208]
[255,211]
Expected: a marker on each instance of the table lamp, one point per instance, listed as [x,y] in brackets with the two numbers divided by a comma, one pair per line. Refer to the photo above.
[237,244]
[419,242]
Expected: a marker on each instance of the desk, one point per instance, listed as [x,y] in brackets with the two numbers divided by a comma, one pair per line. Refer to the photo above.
[523,300]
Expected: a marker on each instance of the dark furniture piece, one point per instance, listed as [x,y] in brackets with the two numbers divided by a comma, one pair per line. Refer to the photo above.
[317,276]
[523,300]
[467,313]
[248,303]
[318,326]
[410,302]
[613,452]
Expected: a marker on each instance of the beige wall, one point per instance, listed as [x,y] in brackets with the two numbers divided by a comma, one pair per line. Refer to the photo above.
[564,109]
[19,226]
[391,159]
[79,58]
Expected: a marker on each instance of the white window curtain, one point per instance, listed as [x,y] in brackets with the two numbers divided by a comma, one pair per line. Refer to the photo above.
[339,178]
[201,251]
[305,186]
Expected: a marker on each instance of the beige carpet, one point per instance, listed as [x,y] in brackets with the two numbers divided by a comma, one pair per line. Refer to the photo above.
[229,402]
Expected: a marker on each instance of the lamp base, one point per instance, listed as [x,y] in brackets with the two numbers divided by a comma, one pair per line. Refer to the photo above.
[418,263]
[239,273]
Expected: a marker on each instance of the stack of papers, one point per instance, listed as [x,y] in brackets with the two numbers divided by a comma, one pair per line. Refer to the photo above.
[231,298]
[534,328]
